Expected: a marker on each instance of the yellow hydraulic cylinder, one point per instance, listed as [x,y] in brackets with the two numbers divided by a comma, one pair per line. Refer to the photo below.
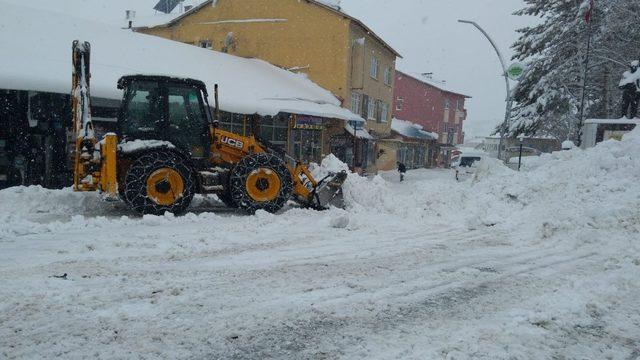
[108,166]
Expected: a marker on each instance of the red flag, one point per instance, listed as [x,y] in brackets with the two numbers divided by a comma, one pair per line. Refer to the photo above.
[587,14]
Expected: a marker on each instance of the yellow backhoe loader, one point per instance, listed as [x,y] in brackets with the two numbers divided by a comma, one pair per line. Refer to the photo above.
[169,147]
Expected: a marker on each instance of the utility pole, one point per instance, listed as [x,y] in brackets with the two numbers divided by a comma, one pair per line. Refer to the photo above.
[507,115]
[589,19]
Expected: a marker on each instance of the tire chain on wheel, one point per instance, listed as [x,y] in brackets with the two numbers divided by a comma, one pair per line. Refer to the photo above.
[245,167]
[135,193]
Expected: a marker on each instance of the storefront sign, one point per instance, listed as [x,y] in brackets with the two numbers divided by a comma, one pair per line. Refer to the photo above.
[304,122]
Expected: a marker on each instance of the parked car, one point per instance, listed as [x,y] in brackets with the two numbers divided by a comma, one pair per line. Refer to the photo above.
[465,164]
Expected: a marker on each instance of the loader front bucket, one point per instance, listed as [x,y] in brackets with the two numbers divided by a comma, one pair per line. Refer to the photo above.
[329,192]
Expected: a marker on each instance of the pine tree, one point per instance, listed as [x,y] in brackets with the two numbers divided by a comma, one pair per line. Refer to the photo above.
[548,98]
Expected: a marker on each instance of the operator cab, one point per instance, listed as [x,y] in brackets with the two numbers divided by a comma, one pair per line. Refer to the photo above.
[169,109]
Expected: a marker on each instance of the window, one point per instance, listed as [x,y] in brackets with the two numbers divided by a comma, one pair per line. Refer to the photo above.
[371,112]
[387,76]
[206,44]
[374,67]
[142,108]
[381,116]
[447,104]
[307,145]
[399,103]
[188,126]
[384,112]
[275,129]
[356,106]
[233,122]
[365,107]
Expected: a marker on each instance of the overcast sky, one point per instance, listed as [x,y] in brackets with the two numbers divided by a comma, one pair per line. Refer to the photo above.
[430,39]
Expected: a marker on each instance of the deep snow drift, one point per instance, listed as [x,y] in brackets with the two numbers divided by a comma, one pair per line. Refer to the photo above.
[532,265]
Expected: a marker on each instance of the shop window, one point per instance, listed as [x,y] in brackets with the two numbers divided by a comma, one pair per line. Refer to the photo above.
[234,123]
[275,129]
[307,145]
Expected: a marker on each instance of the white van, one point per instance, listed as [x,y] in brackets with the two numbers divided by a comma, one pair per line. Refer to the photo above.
[466,163]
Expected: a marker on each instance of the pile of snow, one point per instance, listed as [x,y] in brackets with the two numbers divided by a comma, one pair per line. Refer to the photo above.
[136,145]
[565,190]
[330,165]
[555,192]
[568,145]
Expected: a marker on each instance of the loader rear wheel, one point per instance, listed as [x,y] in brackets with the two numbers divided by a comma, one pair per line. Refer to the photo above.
[159,182]
[261,182]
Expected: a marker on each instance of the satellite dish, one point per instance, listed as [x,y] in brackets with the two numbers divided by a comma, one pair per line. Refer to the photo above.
[167,6]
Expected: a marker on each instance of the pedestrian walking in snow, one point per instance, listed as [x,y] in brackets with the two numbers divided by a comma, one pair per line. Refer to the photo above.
[402,169]
[630,85]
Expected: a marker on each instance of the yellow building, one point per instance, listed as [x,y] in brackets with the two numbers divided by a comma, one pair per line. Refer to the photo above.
[333,49]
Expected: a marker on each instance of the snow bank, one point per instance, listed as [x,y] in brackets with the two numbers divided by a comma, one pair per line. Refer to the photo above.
[567,190]
[555,192]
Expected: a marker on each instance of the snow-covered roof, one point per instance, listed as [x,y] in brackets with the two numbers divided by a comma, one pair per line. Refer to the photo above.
[441,85]
[411,130]
[623,121]
[360,134]
[38,58]
[110,12]
[331,5]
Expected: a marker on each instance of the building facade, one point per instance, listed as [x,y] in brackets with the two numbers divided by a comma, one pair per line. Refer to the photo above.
[415,147]
[333,49]
[427,103]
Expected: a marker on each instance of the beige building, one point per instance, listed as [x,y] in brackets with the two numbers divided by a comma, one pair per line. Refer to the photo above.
[333,49]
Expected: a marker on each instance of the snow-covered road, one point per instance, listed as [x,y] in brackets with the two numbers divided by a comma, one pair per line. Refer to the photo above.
[498,267]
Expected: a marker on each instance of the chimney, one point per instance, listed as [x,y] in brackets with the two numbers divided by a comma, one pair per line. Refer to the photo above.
[130,15]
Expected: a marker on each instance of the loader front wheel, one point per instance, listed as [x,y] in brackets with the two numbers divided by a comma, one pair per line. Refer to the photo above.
[159,182]
[261,182]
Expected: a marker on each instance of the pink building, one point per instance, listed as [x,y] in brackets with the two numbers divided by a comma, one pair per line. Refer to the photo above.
[430,104]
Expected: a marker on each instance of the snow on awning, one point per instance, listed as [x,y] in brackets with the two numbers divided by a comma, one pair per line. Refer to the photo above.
[312,109]
[40,60]
[360,133]
[411,130]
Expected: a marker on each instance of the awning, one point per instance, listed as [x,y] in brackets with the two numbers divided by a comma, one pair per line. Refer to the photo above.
[360,133]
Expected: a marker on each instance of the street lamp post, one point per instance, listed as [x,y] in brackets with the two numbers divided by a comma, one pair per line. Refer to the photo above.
[507,115]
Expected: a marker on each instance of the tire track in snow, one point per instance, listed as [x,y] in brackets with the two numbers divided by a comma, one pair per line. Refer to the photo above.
[326,335]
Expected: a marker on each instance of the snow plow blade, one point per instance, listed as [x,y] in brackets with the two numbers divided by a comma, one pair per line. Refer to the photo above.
[328,192]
